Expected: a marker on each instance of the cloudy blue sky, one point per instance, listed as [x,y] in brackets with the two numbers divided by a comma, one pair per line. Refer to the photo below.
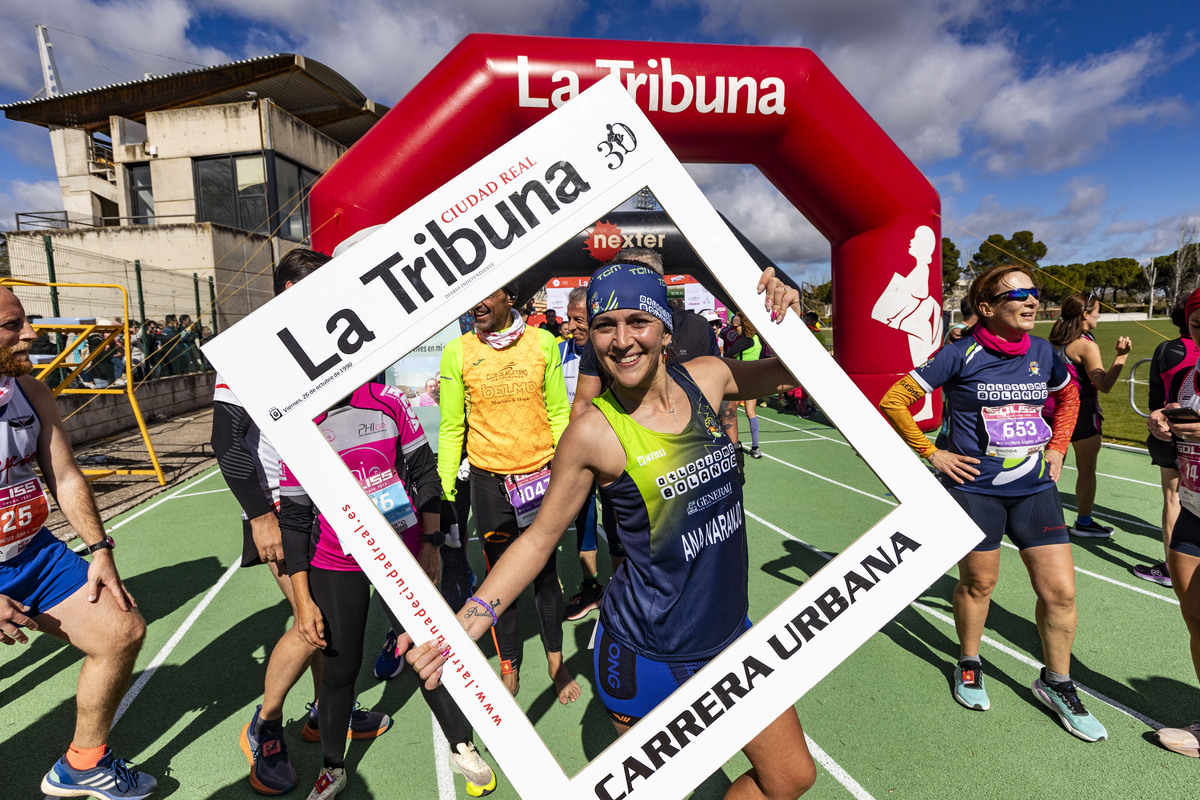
[1079,121]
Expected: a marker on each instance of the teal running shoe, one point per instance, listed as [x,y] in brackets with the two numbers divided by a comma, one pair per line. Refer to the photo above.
[1063,700]
[968,686]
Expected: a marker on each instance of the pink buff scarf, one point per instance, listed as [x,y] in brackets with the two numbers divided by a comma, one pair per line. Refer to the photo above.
[502,339]
[1002,346]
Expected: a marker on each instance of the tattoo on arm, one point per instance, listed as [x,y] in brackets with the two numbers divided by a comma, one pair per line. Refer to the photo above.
[728,415]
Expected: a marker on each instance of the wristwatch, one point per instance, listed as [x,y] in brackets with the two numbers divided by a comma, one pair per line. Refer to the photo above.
[437,538]
[106,543]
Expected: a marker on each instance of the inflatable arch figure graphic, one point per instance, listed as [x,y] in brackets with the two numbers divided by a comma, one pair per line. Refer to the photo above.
[777,108]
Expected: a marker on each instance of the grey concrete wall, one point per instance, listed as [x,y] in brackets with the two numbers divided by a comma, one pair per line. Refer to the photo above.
[91,417]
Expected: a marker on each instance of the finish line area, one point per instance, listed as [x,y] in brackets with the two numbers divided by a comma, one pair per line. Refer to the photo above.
[882,724]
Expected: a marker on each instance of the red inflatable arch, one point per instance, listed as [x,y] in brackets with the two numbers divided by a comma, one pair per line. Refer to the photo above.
[778,108]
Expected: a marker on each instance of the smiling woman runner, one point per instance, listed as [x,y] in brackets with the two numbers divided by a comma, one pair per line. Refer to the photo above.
[1001,463]
[660,613]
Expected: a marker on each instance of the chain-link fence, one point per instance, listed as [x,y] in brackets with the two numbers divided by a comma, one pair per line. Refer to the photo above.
[153,293]
[162,303]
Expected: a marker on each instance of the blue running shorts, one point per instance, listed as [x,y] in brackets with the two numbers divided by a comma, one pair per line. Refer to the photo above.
[1030,520]
[47,573]
[631,685]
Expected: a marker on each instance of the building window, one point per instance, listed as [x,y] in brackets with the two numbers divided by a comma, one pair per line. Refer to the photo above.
[232,190]
[141,194]
[292,183]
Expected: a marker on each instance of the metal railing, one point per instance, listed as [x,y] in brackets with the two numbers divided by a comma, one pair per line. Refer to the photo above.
[61,220]
[1133,384]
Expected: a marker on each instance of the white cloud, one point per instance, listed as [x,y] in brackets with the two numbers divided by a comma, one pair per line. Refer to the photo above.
[112,42]
[935,83]
[22,196]
[1082,229]
[384,48]
[954,182]
[1085,195]
[1061,116]
[763,215]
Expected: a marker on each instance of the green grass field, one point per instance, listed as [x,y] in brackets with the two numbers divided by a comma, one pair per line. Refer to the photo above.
[1121,424]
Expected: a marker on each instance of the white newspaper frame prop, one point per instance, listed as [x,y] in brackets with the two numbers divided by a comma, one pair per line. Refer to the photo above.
[313,345]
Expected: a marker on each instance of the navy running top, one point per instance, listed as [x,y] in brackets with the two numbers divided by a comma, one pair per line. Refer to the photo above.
[994,407]
[681,594]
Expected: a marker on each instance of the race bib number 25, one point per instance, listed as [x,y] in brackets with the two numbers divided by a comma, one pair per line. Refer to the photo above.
[23,511]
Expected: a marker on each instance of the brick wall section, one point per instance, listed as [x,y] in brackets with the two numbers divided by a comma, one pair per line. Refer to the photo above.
[159,399]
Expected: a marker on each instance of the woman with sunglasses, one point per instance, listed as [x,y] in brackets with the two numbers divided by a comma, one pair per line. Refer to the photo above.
[1000,463]
[1072,337]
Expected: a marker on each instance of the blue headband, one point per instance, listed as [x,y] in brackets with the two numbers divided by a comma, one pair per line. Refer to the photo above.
[628,286]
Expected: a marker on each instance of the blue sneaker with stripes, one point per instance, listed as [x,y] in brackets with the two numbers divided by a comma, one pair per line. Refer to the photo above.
[111,779]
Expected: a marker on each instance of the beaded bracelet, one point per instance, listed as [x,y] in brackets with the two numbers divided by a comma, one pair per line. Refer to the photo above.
[474,599]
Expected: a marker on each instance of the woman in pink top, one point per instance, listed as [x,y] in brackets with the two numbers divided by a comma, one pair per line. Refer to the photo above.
[381,442]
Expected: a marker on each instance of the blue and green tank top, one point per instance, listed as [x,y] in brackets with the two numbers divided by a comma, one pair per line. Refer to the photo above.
[681,593]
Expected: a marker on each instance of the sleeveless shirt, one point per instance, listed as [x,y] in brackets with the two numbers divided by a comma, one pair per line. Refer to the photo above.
[681,593]
[23,506]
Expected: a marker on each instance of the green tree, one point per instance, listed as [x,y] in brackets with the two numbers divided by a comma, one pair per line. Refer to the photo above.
[1022,248]
[1113,274]
[5,267]
[951,272]
[1059,281]
[824,292]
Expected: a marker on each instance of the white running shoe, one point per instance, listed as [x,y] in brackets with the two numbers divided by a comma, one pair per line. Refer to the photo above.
[466,761]
[331,781]
[1185,741]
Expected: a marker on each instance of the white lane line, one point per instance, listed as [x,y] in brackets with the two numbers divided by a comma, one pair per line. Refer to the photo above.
[831,480]
[441,762]
[165,652]
[1000,646]
[1118,477]
[1137,523]
[1113,581]
[79,548]
[835,769]
[807,430]
[1089,573]
[198,494]
[171,496]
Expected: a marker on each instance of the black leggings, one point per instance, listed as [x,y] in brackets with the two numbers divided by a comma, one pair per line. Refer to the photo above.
[343,598]
[496,524]
[456,572]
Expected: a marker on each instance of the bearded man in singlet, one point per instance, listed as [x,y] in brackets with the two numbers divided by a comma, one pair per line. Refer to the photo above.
[46,587]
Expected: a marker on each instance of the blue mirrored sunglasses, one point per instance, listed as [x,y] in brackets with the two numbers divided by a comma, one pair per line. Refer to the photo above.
[1017,294]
